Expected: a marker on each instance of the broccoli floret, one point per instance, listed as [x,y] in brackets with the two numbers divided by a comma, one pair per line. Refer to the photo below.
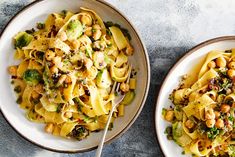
[32,77]
[22,39]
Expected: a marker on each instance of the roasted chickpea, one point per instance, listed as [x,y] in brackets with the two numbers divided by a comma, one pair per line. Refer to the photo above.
[221,62]
[209,114]
[62,79]
[35,95]
[124,87]
[83,48]
[129,50]
[86,20]
[219,123]
[62,36]
[54,70]
[88,63]
[225,108]
[49,127]
[231,73]
[96,27]
[68,79]
[231,65]
[217,114]
[76,44]
[12,70]
[88,31]
[57,61]
[211,64]
[97,34]
[189,124]
[210,123]
[68,114]
[50,55]
[169,116]
[39,88]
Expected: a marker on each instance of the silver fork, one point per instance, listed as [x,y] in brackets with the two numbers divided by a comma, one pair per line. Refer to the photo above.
[118,98]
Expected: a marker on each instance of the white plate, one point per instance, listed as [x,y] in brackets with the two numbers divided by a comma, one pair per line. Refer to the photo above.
[183,66]
[26,19]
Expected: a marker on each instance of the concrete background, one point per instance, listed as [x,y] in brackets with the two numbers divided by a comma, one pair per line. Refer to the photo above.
[169,28]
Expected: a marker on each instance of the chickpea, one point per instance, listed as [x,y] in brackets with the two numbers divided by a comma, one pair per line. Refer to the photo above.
[99,45]
[88,31]
[62,79]
[225,108]
[12,70]
[54,70]
[211,64]
[68,114]
[210,123]
[209,114]
[217,114]
[49,127]
[57,61]
[88,63]
[50,55]
[189,124]
[83,48]
[62,36]
[231,73]
[68,79]
[129,50]
[97,34]
[221,62]
[219,123]
[96,27]
[86,20]
[169,116]
[76,44]
[39,88]
[35,95]
[231,65]
[124,87]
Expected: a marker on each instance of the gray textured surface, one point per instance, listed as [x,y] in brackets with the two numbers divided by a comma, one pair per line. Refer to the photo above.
[169,28]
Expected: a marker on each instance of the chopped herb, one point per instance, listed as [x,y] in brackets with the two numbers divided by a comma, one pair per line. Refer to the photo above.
[163,111]
[212,133]
[40,25]
[86,118]
[230,118]
[19,100]
[64,13]
[30,31]
[59,107]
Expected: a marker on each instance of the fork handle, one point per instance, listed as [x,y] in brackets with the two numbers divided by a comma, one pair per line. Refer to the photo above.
[101,144]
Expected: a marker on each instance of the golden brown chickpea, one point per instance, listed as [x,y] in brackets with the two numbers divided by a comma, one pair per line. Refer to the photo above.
[57,61]
[129,50]
[221,62]
[68,114]
[62,36]
[209,114]
[97,34]
[211,64]
[231,65]
[124,87]
[88,31]
[169,116]
[54,70]
[35,95]
[49,127]
[219,123]
[76,44]
[189,124]
[210,123]
[68,79]
[88,63]
[96,27]
[225,108]
[39,88]
[50,55]
[231,73]
[86,20]
[13,70]
[217,114]
[61,79]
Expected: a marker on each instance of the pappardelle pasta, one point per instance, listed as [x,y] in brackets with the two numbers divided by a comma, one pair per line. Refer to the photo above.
[203,116]
[67,68]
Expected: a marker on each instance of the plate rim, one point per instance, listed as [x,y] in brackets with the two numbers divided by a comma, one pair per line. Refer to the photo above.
[143,101]
[172,68]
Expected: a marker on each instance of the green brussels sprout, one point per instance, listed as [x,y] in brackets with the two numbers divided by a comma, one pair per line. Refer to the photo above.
[32,77]
[22,39]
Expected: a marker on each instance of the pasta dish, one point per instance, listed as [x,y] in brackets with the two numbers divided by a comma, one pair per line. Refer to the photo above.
[202,119]
[67,67]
